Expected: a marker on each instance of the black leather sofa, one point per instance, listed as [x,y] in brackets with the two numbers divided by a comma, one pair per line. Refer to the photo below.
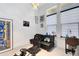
[46,41]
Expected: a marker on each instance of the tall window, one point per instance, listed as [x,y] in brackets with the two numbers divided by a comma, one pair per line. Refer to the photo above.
[51,24]
[70,21]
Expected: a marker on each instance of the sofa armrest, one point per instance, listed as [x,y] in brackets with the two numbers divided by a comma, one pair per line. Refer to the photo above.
[31,41]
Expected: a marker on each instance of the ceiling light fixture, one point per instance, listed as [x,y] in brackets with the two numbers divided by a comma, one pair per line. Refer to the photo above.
[35,5]
[53,9]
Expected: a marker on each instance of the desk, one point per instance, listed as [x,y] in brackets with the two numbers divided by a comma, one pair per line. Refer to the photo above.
[72,42]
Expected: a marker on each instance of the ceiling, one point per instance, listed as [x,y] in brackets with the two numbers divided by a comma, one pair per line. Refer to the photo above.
[52,6]
[42,5]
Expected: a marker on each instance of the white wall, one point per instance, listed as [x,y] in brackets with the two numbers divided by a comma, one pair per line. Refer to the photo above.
[19,12]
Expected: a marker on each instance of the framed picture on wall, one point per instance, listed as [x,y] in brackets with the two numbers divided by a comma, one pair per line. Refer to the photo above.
[6,42]
[36,19]
[42,25]
[42,18]
[26,23]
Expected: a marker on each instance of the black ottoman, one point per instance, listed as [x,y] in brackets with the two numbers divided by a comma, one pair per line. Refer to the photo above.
[33,50]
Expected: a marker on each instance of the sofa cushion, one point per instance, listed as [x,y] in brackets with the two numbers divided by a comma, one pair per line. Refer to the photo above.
[47,39]
[45,43]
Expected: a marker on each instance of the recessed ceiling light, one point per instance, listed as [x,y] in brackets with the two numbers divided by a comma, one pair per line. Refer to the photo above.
[35,5]
[52,9]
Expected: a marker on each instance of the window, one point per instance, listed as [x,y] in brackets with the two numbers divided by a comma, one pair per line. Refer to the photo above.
[51,24]
[70,21]
[51,29]
[70,29]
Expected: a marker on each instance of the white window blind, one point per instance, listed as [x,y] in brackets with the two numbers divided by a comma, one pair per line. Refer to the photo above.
[69,20]
[70,30]
[51,24]
[51,29]
[70,16]
[51,20]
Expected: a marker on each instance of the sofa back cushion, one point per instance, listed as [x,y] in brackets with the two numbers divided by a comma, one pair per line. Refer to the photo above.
[38,37]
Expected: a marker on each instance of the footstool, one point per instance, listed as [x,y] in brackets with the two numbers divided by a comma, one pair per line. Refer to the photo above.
[23,52]
[33,50]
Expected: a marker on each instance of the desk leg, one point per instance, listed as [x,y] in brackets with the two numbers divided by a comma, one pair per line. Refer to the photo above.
[73,52]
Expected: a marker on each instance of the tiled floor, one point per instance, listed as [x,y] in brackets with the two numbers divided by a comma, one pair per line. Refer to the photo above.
[54,52]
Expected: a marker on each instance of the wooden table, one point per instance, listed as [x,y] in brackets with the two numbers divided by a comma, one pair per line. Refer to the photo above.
[72,42]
